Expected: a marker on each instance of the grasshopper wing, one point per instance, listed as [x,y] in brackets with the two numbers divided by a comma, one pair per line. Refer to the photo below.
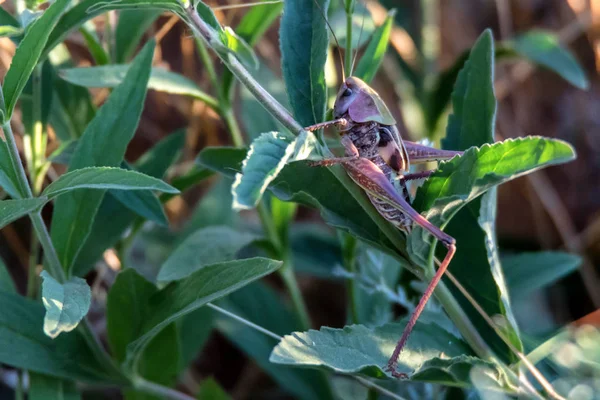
[392,149]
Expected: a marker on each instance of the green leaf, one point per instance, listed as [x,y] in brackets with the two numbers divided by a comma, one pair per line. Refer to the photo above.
[130,29]
[102,144]
[183,297]
[113,217]
[266,158]
[239,47]
[11,210]
[24,345]
[113,75]
[66,304]
[357,349]
[8,177]
[462,179]
[262,305]
[210,389]
[527,272]
[88,9]
[205,247]
[127,310]
[371,60]
[28,54]
[257,20]
[312,187]
[473,91]
[208,16]
[105,178]
[6,281]
[42,387]
[94,46]
[304,40]
[545,49]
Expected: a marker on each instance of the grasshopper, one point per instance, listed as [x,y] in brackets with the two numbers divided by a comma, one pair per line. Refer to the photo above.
[378,160]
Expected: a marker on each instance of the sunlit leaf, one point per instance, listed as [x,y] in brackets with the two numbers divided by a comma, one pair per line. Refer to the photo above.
[66,304]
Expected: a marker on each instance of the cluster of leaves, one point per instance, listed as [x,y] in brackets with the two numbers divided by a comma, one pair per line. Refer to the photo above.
[157,323]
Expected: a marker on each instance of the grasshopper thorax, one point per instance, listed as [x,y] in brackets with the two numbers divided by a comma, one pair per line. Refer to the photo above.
[359,103]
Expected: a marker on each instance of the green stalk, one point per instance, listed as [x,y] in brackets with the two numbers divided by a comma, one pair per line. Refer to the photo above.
[349,254]
[348,52]
[159,391]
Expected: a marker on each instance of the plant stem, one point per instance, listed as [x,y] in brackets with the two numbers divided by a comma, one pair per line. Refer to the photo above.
[348,52]
[234,128]
[205,58]
[349,254]
[289,279]
[159,390]
[244,321]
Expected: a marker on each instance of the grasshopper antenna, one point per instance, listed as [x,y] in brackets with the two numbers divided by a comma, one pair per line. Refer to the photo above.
[335,38]
[362,25]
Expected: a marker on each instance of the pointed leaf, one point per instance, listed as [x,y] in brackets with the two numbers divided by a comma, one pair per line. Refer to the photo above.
[110,76]
[473,90]
[304,40]
[105,178]
[371,60]
[205,247]
[527,272]
[545,49]
[28,54]
[103,144]
[8,178]
[462,179]
[183,297]
[11,210]
[357,349]
[66,304]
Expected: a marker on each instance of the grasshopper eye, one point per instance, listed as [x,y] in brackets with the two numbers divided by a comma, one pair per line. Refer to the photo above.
[347,92]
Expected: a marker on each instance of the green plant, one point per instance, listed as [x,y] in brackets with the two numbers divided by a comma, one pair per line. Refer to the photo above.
[155,327]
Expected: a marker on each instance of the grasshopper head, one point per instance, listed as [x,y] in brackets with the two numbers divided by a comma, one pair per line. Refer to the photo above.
[360,103]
